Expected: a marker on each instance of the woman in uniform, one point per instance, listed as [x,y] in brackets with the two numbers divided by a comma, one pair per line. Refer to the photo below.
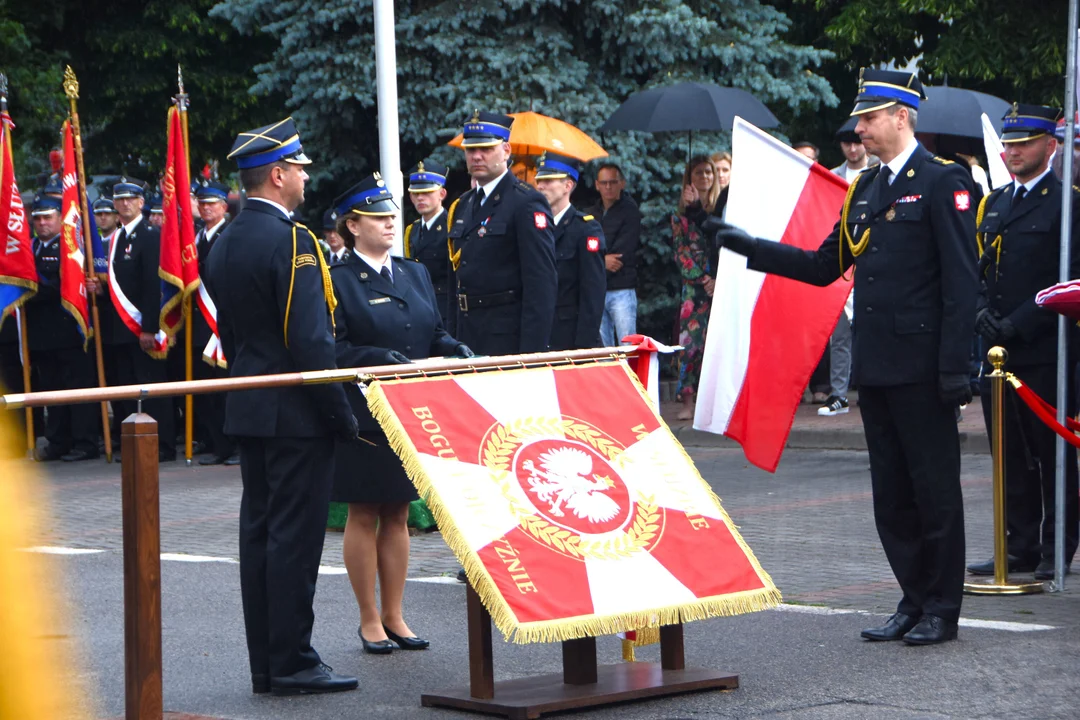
[386,314]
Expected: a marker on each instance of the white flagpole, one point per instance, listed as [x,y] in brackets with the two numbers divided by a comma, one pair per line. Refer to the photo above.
[386,89]
[1063,276]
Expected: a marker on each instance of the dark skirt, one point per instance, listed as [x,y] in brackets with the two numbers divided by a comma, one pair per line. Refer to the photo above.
[370,473]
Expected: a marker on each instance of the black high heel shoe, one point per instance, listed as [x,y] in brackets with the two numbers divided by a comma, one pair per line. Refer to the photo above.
[406,643]
[380,647]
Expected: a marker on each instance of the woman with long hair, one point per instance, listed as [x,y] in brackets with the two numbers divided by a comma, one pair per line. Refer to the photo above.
[387,314]
[700,192]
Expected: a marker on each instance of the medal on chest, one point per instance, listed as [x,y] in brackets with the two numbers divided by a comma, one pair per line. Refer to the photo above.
[891,214]
[127,252]
[483,228]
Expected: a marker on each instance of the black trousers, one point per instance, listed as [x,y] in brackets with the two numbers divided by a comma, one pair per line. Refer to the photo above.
[282,526]
[209,409]
[134,367]
[1030,467]
[918,507]
[67,427]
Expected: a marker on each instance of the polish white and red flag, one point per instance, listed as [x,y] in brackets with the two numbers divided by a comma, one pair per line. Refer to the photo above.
[573,509]
[995,155]
[767,333]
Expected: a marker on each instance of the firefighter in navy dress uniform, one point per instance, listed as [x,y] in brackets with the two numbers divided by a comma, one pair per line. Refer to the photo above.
[1019,238]
[503,249]
[907,227]
[209,408]
[271,286]
[579,258]
[387,313]
[57,355]
[425,239]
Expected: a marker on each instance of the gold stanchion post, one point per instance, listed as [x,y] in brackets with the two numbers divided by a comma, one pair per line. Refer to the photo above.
[1000,585]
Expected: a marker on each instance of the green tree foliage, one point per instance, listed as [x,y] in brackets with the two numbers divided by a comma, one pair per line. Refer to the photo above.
[125,54]
[573,60]
[1013,50]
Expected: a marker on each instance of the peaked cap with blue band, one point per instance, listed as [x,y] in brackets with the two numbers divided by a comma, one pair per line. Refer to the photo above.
[155,203]
[269,144]
[45,204]
[128,189]
[551,167]
[1024,122]
[486,130]
[211,191]
[879,89]
[370,196]
[427,177]
[104,205]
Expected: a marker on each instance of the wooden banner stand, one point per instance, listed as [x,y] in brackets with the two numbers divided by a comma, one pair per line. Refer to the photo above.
[582,683]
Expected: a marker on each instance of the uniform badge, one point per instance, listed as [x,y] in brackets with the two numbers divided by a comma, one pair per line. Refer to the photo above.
[540,220]
[592,244]
[378,301]
[305,259]
[962,200]
[891,214]
[911,173]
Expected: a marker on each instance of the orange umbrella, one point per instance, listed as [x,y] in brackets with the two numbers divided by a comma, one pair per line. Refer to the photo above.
[533,134]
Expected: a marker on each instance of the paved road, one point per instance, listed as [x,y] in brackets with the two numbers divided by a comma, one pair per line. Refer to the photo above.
[810,525]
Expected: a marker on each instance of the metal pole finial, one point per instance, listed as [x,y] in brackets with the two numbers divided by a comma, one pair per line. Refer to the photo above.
[71,84]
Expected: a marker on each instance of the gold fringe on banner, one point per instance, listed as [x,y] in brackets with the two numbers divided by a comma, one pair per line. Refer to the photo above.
[504,618]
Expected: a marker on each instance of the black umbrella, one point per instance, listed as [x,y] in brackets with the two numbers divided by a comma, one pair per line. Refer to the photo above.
[687,107]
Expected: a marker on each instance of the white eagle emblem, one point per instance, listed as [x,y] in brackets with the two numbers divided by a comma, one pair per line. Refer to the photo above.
[567,477]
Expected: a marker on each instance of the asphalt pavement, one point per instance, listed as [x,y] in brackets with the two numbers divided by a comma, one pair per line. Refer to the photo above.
[810,525]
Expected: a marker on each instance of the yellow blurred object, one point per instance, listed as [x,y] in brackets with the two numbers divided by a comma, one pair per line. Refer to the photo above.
[534,134]
[36,676]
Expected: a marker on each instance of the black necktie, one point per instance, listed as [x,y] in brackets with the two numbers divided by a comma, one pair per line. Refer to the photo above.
[385,272]
[1020,193]
[886,173]
[478,200]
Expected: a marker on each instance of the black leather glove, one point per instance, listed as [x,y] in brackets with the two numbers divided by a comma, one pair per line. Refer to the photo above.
[954,388]
[463,351]
[347,430]
[393,357]
[732,238]
[1008,330]
[988,325]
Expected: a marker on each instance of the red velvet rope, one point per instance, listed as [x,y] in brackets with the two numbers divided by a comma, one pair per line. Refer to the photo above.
[1046,412]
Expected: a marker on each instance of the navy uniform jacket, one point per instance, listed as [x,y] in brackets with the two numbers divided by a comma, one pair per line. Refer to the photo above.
[429,248]
[263,331]
[915,283]
[48,325]
[200,330]
[1030,238]
[374,316]
[506,274]
[135,268]
[579,258]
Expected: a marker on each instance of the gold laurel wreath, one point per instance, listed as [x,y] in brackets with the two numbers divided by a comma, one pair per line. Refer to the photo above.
[504,440]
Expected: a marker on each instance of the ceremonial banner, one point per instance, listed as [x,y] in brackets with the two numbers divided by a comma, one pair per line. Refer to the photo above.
[572,507]
[72,258]
[179,269]
[767,333]
[995,156]
[18,274]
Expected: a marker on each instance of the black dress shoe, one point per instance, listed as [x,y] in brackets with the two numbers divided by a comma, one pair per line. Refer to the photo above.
[461,576]
[379,647]
[893,629]
[406,643]
[197,448]
[318,679]
[78,455]
[49,454]
[1016,565]
[213,460]
[260,684]
[231,461]
[1045,571]
[931,630]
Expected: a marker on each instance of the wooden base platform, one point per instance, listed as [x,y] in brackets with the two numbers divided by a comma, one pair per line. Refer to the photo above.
[532,697]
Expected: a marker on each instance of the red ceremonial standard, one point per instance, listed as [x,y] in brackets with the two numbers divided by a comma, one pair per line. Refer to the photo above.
[179,268]
[572,507]
[72,258]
